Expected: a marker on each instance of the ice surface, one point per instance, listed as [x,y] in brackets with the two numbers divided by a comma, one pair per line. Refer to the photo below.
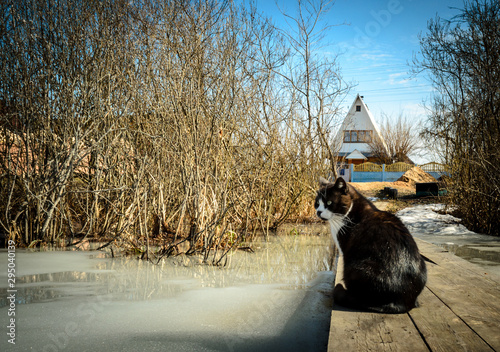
[33,263]
[277,299]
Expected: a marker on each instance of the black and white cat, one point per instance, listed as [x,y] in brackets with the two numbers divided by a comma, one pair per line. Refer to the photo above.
[383,269]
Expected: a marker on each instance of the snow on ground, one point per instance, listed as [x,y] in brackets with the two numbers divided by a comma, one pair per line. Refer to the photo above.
[425,220]
[445,230]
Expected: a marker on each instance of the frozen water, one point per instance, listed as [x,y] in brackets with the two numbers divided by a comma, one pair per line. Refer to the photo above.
[276,299]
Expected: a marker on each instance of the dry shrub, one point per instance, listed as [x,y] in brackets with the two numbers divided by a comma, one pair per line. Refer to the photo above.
[168,123]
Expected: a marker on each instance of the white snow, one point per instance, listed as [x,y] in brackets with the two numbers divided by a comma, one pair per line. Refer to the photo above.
[431,224]
[425,222]
[426,219]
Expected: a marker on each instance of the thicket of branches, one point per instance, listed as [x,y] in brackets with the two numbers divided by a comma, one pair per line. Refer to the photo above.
[168,120]
[462,58]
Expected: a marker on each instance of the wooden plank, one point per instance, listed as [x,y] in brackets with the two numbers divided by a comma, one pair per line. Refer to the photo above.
[442,329]
[460,310]
[477,305]
[469,293]
[441,256]
[362,331]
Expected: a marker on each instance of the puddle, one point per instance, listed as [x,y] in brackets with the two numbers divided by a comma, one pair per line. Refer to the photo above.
[486,255]
[276,299]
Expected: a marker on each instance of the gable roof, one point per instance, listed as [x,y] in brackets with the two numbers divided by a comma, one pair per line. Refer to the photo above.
[359,121]
[356,155]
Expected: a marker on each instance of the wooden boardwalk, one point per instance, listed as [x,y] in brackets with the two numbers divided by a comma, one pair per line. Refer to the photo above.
[459,311]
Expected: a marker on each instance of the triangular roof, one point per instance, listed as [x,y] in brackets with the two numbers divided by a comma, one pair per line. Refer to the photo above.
[356,154]
[358,121]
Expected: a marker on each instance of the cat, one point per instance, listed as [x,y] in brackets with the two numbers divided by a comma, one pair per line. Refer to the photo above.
[383,269]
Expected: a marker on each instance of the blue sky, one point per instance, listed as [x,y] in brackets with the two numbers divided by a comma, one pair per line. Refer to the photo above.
[376,45]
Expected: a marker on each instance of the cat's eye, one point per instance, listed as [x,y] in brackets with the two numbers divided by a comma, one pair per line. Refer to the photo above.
[329,202]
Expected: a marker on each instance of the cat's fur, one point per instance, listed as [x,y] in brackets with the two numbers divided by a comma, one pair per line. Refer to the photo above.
[383,268]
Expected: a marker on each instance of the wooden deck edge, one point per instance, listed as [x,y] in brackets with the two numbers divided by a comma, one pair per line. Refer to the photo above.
[459,310]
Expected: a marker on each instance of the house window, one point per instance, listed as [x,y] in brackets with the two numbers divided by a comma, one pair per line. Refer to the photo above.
[361,136]
[358,136]
[368,136]
[354,136]
[358,107]
[347,136]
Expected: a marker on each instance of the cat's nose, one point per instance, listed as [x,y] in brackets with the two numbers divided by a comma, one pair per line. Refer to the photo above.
[318,213]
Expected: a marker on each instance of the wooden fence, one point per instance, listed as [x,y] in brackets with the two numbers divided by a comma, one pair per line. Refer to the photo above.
[435,167]
[371,172]
[368,167]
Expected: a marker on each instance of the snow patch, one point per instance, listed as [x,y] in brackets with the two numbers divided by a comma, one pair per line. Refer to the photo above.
[424,219]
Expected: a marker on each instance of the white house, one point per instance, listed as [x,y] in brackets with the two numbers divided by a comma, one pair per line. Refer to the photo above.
[356,133]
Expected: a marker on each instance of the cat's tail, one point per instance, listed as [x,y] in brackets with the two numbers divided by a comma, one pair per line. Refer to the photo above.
[427,259]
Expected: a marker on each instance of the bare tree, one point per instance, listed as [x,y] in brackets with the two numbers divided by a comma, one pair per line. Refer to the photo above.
[462,57]
[400,140]
[315,82]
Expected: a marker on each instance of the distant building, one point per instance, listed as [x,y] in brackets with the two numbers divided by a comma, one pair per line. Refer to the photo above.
[356,133]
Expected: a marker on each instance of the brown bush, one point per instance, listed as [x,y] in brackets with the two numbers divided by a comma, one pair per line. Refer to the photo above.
[163,122]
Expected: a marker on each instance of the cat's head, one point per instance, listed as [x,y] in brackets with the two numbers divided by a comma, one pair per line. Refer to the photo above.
[332,199]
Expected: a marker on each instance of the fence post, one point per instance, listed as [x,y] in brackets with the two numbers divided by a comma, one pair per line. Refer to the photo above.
[383,172]
[351,169]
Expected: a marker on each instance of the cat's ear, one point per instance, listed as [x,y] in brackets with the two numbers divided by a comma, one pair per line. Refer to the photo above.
[323,182]
[341,185]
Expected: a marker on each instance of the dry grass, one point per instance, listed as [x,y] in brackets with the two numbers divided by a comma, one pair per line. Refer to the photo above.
[406,195]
